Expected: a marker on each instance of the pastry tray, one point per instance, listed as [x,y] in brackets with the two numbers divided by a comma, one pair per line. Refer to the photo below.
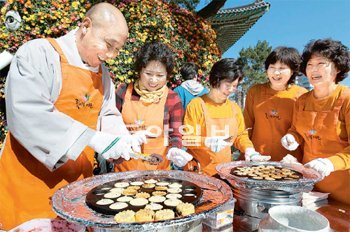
[304,184]
[69,202]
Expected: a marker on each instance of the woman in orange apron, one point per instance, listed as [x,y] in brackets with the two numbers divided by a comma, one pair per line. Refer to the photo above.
[269,107]
[322,117]
[213,123]
[54,102]
[149,105]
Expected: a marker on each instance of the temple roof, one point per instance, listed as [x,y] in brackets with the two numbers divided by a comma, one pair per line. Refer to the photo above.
[232,23]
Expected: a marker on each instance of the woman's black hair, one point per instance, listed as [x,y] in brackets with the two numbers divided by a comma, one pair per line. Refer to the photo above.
[155,51]
[226,69]
[332,50]
[189,71]
[288,56]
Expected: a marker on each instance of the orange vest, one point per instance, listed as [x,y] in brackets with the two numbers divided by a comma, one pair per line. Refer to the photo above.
[272,119]
[321,140]
[208,159]
[152,116]
[26,185]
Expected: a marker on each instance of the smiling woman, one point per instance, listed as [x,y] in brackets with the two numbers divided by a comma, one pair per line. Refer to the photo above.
[269,106]
[149,104]
[218,121]
[153,76]
[321,119]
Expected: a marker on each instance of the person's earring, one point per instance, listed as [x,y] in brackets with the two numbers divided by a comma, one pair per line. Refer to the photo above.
[84,30]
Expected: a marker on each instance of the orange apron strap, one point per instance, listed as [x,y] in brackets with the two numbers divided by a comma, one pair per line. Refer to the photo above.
[63,58]
[205,111]
[58,49]
[235,132]
[302,100]
[128,92]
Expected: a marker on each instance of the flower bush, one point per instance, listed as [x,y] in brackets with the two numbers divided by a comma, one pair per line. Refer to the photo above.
[40,19]
[190,37]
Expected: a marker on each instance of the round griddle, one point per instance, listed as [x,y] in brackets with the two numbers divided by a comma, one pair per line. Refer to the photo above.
[277,171]
[97,193]
[69,202]
[304,184]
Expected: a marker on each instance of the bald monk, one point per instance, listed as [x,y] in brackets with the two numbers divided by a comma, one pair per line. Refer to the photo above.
[61,108]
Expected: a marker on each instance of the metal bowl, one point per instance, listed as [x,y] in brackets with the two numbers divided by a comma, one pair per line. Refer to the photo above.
[304,184]
[69,201]
[256,203]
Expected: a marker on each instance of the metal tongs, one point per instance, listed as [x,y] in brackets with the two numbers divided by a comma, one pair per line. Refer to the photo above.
[229,139]
[151,158]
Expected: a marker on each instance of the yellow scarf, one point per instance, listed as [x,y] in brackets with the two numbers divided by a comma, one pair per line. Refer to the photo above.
[148,96]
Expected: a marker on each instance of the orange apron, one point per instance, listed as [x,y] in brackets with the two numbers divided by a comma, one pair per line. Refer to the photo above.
[27,185]
[208,159]
[151,116]
[321,140]
[273,118]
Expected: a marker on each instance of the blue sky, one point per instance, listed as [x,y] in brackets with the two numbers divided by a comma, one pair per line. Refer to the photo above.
[294,23]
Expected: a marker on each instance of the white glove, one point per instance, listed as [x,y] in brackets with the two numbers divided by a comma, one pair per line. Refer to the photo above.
[251,155]
[289,159]
[113,147]
[322,165]
[216,144]
[139,138]
[100,141]
[179,157]
[288,142]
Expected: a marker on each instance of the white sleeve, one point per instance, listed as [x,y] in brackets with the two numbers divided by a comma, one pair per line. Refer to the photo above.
[32,86]
[110,120]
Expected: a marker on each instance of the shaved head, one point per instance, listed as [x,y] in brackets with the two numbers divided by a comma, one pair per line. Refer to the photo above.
[102,34]
[105,13]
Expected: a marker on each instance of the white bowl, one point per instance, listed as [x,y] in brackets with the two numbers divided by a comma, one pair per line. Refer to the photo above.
[293,218]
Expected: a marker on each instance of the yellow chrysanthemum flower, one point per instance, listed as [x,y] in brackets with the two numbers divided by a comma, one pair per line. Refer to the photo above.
[75,4]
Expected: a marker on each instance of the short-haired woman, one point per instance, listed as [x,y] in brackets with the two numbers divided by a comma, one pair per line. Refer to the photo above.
[148,104]
[269,107]
[321,118]
[213,122]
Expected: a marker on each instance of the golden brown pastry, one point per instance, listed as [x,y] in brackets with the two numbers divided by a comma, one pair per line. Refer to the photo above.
[148,185]
[161,188]
[185,209]
[142,195]
[126,216]
[159,193]
[144,215]
[129,192]
[164,214]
